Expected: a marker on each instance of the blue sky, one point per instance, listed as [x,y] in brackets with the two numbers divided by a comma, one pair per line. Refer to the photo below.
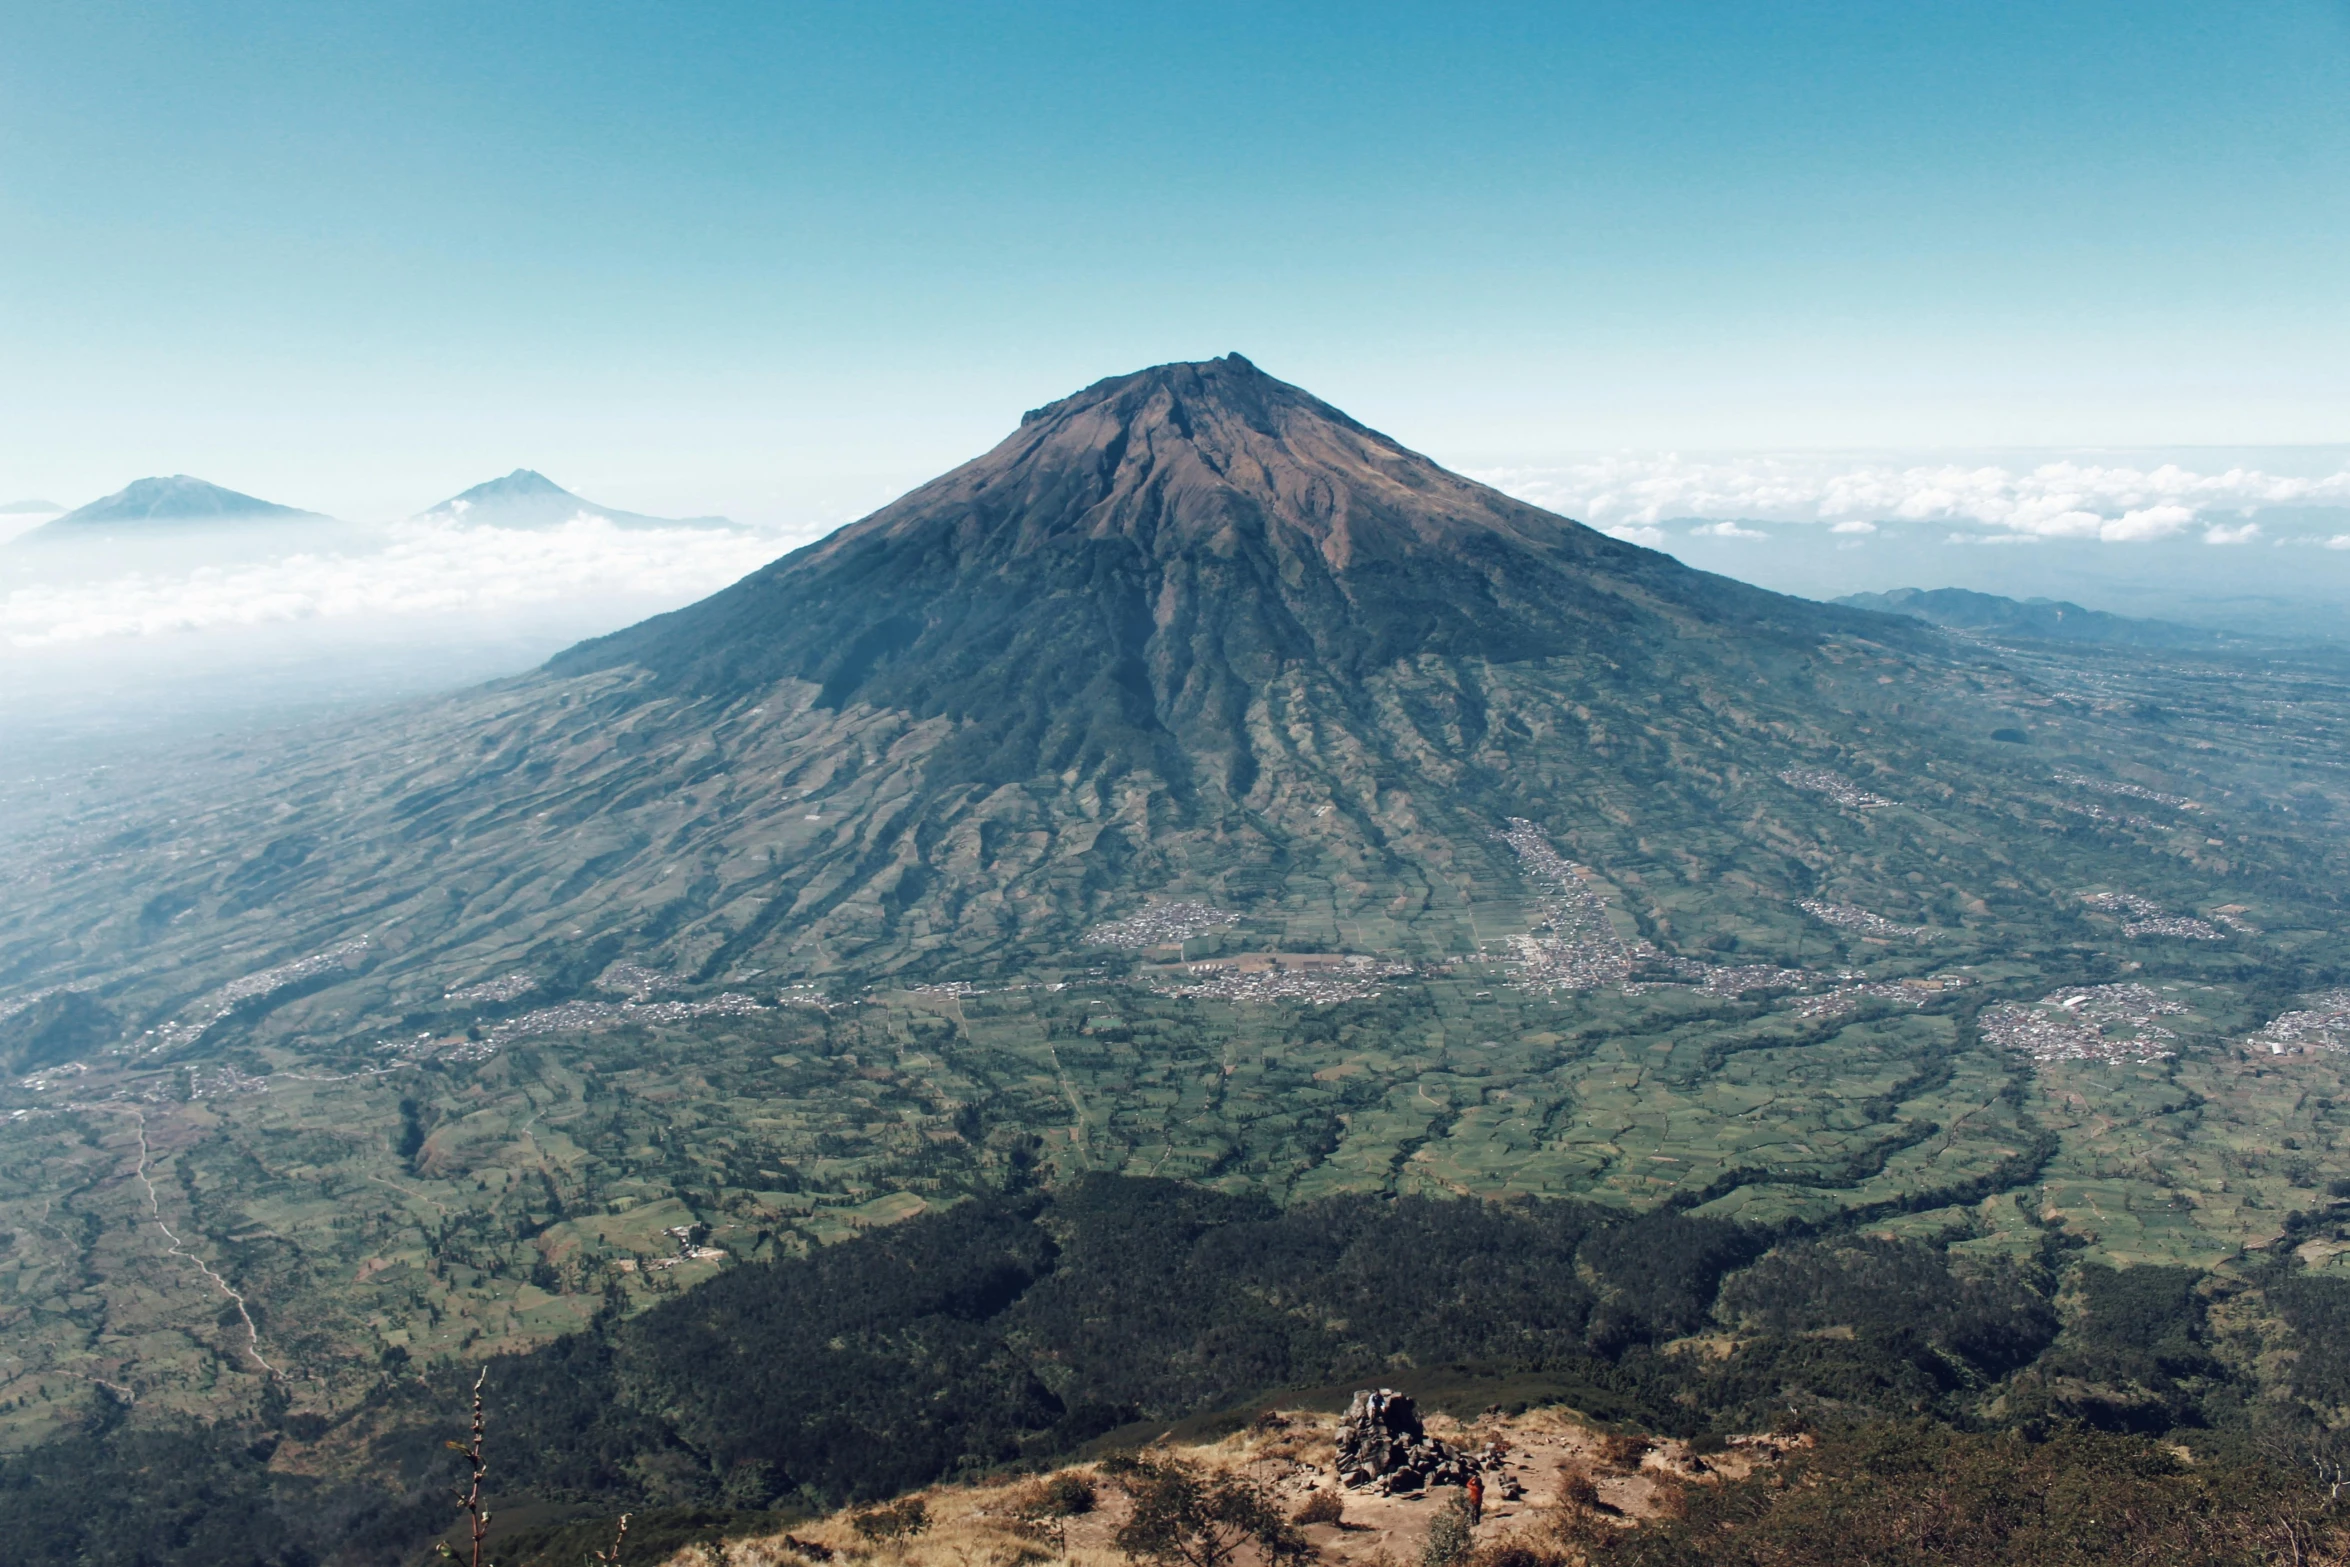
[782,260]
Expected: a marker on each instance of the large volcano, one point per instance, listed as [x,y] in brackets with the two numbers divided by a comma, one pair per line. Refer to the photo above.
[1188,634]
[1123,576]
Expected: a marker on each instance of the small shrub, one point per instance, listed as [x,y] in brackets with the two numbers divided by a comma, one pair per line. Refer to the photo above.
[1623,1449]
[1516,1553]
[1449,1535]
[1070,1495]
[897,1521]
[1576,1492]
[1183,1516]
[1321,1507]
[1044,1507]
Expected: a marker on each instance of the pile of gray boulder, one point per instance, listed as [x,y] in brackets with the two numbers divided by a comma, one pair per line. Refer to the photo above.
[1382,1444]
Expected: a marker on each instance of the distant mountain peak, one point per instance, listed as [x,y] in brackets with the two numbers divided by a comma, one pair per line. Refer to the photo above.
[522,481]
[2039,619]
[177,499]
[527,498]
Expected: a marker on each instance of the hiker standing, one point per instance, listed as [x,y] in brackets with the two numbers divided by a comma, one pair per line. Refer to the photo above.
[1476,1491]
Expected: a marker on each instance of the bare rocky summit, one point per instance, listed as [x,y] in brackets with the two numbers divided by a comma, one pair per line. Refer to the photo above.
[1382,1442]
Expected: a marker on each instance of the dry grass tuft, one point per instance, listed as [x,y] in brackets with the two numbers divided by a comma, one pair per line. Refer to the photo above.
[1624,1449]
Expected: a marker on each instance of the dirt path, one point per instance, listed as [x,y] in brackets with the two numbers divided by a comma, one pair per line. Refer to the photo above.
[180,1250]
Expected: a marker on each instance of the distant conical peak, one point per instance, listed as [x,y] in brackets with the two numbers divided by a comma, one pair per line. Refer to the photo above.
[522,481]
[179,497]
[179,481]
[527,498]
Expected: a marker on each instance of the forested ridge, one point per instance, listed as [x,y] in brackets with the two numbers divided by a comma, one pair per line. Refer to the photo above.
[1017,1329]
[1023,1328]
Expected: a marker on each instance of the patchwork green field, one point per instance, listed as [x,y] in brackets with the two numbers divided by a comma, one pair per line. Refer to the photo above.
[179,1234]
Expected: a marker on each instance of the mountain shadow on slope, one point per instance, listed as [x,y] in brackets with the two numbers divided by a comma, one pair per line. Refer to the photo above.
[1015,1330]
[1009,1330]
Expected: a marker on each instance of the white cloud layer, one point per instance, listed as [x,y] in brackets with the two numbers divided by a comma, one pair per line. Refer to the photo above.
[423,569]
[2070,499]
[1637,533]
[451,568]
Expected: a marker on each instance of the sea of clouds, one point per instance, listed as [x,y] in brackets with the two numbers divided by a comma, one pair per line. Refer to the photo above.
[2072,498]
[588,571]
[419,569]
[135,642]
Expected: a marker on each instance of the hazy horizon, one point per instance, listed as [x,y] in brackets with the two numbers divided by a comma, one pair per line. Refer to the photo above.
[1829,298]
[201,633]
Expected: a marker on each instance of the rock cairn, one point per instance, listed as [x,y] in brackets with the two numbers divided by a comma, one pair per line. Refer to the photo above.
[1382,1444]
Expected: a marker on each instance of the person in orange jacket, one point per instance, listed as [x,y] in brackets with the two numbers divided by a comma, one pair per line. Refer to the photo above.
[1476,1490]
